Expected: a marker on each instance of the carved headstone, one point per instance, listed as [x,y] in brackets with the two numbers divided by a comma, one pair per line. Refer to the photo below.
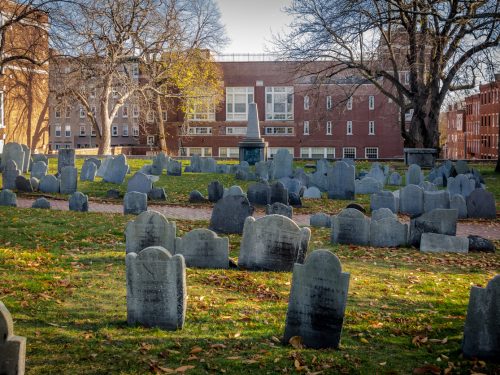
[414,175]
[481,204]
[278,208]
[79,202]
[116,170]
[135,203]
[215,191]
[150,228]
[411,200]
[320,220]
[388,232]
[8,198]
[139,182]
[279,193]
[368,185]
[458,203]
[24,184]
[350,227]
[341,183]
[42,203]
[312,193]
[282,164]
[12,151]
[69,180]
[441,243]
[39,169]
[65,158]
[202,248]
[12,348]
[436,199]
[384,199]
[49,184]
[174,167]
[259,193]
[442,221]
[89,170]
[229,214]
[9,175]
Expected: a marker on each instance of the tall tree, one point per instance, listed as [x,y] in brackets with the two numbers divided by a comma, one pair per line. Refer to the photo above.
[414,52]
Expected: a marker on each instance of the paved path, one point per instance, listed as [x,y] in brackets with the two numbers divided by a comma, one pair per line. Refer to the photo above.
[487,229]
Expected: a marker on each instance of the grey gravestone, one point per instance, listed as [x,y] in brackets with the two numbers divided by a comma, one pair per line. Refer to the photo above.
[480,244]
[23,184]
[159,164]
[174,167]
[414,175]
[461,184]
[320,220]
[341,183]
[156,289]
[229,214]
[202,248]
[294,200]
[458,203]
[104,166]
[113,194]
[139,182]
[303,177]
[89,170]
[8,198]
[12,348]
[411,200]
[323,166]
[350,227]
[196,197]
[312,193]
[317,301]
[279,193]
[215,191]
[293,185]
[482,330]
[368,185]
[195,164]
[428,186]
[242,175]
[40,157]
[116,170]
[273,243]
[394,179]
[39,169]
[441,221]
[69,180]
[356,206]
[262,170]
[377,172]
[79,202]
[49,184]
[259,193]
[384,199]
[41,203]
[441,243]
[461,167]
[481,204]
[320,180]
[436,199]
[234,190]
[278,208]
[223,168]
[34,183]
[146,169]
[383,213]
[65,158]
[12,151]
[26,159]
[9,175]
[134,203]
[388,232]
[187,169]
[282,164]
[150,228]
[157,194]
[96,161]
[208,165]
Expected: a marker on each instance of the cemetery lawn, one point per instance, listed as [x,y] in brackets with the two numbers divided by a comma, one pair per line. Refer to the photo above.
[63,279]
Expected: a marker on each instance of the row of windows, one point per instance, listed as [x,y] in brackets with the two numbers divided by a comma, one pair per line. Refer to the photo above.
[83,131]
[329,103]
[124,112]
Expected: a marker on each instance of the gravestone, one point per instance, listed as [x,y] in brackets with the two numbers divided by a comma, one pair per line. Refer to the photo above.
[356,206]
[139,182]
[320,220]
[24,184]
[157,194]
[39,169]
[174,167]
[234,190]
[395,179]
[350,227]
[89,170]
[202,248]
[8,198]
[259,193]
[150,228]
[279,193]
[215,191]
[411,200]
[384,199]
[294,200]
[293,185]
[461,167]
[65,158]
[368,185]
[116,170]
[278,208]
[320,180]
[242,175]
[282,165]
[229,214]
[441,221]
[272,243]
[146,169]
[436,199]
[68,180]
[442,243]
[159,164]
[262,170]
[134,203]
[195,164]
[388,232]
[414,175]
[482,331]
[303,177]
[480,244]
[196,197]
[12,348]
[42,203]
[223,168]
[208,165]
[9,175]
[383,213]
[79,202]
[96,161]
[341,181]
[49,184]
[312,193]
[156,289]
[40,157]
[113,194]
[101,171]
[26,159]
[34,183]
[458,203]
[377,172]
[428,186]
[12,151]
[318,299]
[323,166]
[461,184]
[481,204]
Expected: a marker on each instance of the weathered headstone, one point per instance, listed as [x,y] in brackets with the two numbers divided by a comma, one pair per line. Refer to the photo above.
[174,167]
[12,348]
[215,191]
[436,199]
[282,164]
[157,194]
[458,203]
[202,248]
[461,167]
[368,185]
[229,214]
[341,181]
[34,183]
[441,243]
[156,288]
[196,197]
[69,180]
[49,184]
[377,172]
[356,206]
[113,194]
[8,198]
[159,164]
[428,186]
[150,228]
[259,193]
[441,221]
[12,151]
[116,170]
[384,199]
[89,170]
[139,182]
[317,301]
[388,232]
[278,208]
[279,193]
[134,203]
[350,227]
[320,220]
[411,200]
[195,165]
[223,168]
[101,171]
[94,160]
[414,175]
[273,243]
[461,184]
[312,193]
[65,158]
[42,203]
[294,200]
[38,169]
[79,202]
[481,204]
[262,170]
[9,175]
[302,176]
[234,190]
[383,213]
[40,157]
[208,165]
[293,185]
[24,184]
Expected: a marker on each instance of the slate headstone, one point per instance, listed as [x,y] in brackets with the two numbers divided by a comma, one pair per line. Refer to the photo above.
[388,232]
[229,214]
[234,190]
[259,193]
[12,347]
[34,183]
[481,204]
[384,199]
[414,175]
[350,227]
[68,180]
[461,184]
[441,221]
[40,157]
[49,184]
[282,164]
[113,194]
[196,197]
[320,220]
[461,167]
[458,203]
[368,185]
[157,194]
[436,199]
[395,179]
[65,158]
[202,248]
[159,164]
[24,184]
[312,193]
[134,203]
[262,170]
[41,203]
[442,243]
[9,175]
[278,208]
[139,182]
[215,191]
[195,166]
[150,228]
[102,170]
[39,169]
[294,200]
[174,167]
[411,200]
[89,170]
[116,170]
[279,193]
[79,202]
[12,151]
[341,181]
[8,198]
[383,213]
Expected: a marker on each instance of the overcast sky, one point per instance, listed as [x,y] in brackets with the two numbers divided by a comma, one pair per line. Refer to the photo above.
[249,23]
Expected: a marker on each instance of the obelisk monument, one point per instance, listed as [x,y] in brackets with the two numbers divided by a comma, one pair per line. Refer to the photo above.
[253,148]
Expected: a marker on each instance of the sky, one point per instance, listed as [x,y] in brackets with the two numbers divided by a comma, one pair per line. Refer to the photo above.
[250,23]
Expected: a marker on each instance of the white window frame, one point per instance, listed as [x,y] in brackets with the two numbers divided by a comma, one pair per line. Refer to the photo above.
[329,102]
[58,131]
[82,112]
[125,111]
[345,150]
[199,130]
[229,152]
[236,130]
[328,128]
[306,127]
[135,111]
[164,115]
[307,152]
[114,131]
[277,92]
[150,140]
[57,112]
[203,109]
[67,111]
[349,128]
[349,104]
[186,151]
[150,116]
[83,131]
[125,130]
[371,102]
[368,150]
[371,127]
[135,131]
[114,93]
[276,130]
[234,93]
[67,134]
[93,133]
[306,102]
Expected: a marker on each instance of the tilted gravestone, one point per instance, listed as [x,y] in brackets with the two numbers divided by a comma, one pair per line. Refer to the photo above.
[293,185]
[139,182]
[101,171]
[302,176]
[411,200]
[442,221]
[414,175]
[461,184]
[341,181]
[9,175]
[96,161]
[215,191]
[89,170]
[384,199]
[317,301]
[159,164]
[69,180]
[135,203]
[12,348]
[481,204]
[39,169]
[202,248]
[294,200]
[150,228]
[458,203]
[320,220]
[278,208]
[12,151]
[482,331]
[8,198]
[441,243]
[116,170]
[350,227]
[156,289]
[26,159]
[157,194]
[259,193]
[40,157]
[388,232]
[79,202]
[42,203]
[436,199]
[24,184]
[279,193]
[34,183]
[282,165]
[461,167]
[49,184]
[262,170]
[368,185]
[196,197]
[273,243]
[229,214]
[65,158]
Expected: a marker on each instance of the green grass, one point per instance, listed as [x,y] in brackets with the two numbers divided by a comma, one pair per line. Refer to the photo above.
[63,279]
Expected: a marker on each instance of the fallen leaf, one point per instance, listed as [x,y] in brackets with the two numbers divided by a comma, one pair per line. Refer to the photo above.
[184,368]
[296,342]
[427,369]
[363,340]
[195,349]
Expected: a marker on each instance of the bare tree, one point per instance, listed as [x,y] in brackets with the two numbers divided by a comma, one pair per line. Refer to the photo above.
[414,52]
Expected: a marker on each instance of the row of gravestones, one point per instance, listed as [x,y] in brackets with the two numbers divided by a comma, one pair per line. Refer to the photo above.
[77,201]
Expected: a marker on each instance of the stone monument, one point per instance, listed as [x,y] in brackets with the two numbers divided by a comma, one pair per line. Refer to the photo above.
[252,148]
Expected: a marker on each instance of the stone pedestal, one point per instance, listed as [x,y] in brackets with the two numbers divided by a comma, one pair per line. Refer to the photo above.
[423,157]
[253,148]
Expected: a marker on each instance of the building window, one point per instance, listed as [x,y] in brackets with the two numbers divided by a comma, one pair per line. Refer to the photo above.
[229,152]
[135,111]
[67,131]
[114,93]
[349,152]
[329,102]
[328,128]
[82,130]
[67,111]
[349,104]
[236,130]
[164,115]
[371,102]
[371,127]
[58,131]
[92,132]
[200,130]
[349,128]
[151,140]
[114,131]
[317,152]
[371,152]
[2,125]
[135,131]
[306,127]
[190,151]
[278,130]
[93,92]
[150,116]
[237,100]
[125,111]
[271,151]
[125,130]
[201,109]
[306,102]
[82,112]
[279,103]
[57,112]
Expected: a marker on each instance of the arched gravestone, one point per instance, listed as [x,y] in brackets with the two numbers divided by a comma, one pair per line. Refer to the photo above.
[135,203]
[39,169]
[341,179]
[282,165]
[12,348]
[89,170]
[9,175]
[12,151]
[150,228]
[317,301]
[139,182]
[65,158]
[482,328]
[156,288]
[229,214]
[350,227]
[273,243]
[202,248]
[116,170]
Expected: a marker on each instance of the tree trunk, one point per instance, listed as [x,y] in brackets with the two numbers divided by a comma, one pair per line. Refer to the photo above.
[161,126]
[105,142]
[424,126]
